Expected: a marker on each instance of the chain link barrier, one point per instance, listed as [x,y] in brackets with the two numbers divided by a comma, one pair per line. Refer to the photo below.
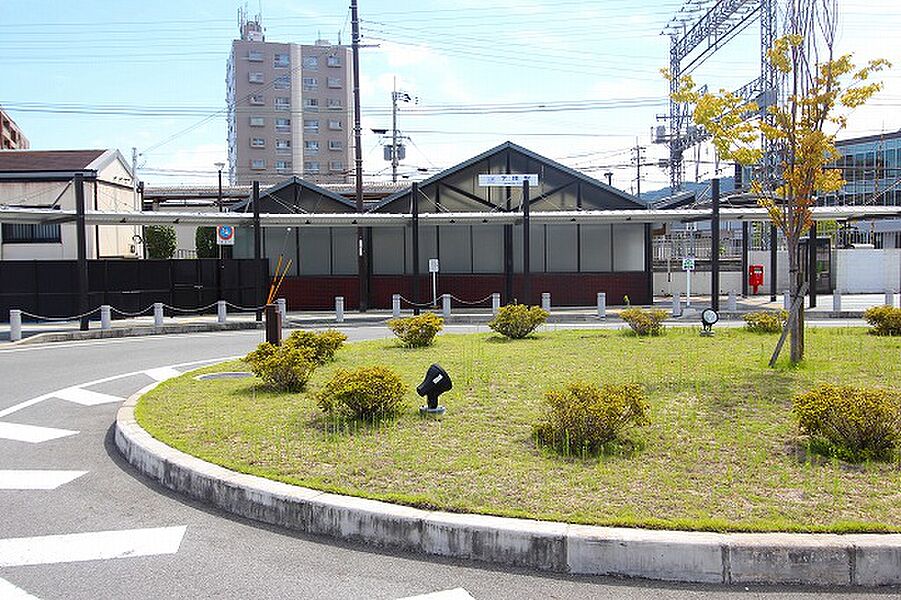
[73,318]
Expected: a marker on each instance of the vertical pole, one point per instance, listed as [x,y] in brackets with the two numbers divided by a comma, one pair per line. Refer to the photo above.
[446,305]
[105,316]
[221,312]
[526,276]
[258,250]
[508,243]
[81,265]
[362,264]
[15,325]
[339,309]
[745,243]
[602,305]
[812,264]
[495,303]
[394,132]
[773,263]
[395,305]
[715,246]
[414,211]
[649,261]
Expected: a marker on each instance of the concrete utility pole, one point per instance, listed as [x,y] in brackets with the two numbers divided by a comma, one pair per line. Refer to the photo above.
[394,132]
[134,177]
[638,149]
[362,266]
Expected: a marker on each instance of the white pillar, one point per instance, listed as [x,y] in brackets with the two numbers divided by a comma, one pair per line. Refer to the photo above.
[15,325]
[731,303]
[546,301]
[889,297]
[283,309]
[495,302]
[157,314]
[786,300]
[446,305]
[339,309]
[677,304]
[395,305]
[602,305]
[837,300]
[221,312]
[105,317]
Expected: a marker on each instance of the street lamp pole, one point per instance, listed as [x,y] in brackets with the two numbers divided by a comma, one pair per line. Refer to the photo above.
[220,166]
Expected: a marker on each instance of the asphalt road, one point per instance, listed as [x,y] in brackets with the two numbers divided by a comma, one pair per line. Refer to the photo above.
[215,555]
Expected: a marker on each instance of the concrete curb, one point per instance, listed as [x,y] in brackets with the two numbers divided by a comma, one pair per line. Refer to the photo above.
[136,331]
[697,557]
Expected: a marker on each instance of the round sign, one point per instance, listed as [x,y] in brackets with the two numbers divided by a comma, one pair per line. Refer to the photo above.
[709,316]
[226,232]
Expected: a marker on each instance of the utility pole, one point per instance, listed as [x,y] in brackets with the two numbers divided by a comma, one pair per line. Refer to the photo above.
[362,266]
[134,177]
[394,132]
[638,149]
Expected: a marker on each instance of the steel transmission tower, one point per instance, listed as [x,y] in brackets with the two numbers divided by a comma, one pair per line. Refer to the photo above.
[699,29]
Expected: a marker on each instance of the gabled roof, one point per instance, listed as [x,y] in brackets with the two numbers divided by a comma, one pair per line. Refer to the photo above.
[525,152]
[294,180]
[31,161]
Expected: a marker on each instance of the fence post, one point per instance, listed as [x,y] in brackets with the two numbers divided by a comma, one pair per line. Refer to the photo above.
[731,303]
[495,303]
[105,316]
[339,309]
[677,304]
[282,309]
[221,312]
[15,325]
[395,305]
[837,300]
[446,305]
[602,305]
[889,297]
[546,301]
[157,314]
[786,300]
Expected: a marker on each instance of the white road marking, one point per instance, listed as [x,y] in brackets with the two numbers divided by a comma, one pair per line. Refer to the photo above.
[162,374]
[35,479]
[86,397]
[31,433]
[454,594]
[10,592]
[97,545]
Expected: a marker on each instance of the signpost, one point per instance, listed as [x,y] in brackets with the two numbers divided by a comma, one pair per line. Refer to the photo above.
[433,269]
[506,179]
[225,235]
[688,265]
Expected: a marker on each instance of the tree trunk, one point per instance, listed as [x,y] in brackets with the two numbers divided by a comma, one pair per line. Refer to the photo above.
[796,303]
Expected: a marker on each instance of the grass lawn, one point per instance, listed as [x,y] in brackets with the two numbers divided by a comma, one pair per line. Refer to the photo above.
[722,453]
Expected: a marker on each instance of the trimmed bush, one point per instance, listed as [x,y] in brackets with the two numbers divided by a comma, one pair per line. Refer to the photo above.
[160,241]
[766,321]
[645,321]
[322,345]
[517,321]
[364,393]
[582,417]
[851,423]
[884,320]
[205,242]
[284,368]
[417,331]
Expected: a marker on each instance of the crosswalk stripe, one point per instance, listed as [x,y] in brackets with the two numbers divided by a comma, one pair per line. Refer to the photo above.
[96,545]
[454,594]
[162,374]
[31,433]
[86,397]
[10,592]
[36,479]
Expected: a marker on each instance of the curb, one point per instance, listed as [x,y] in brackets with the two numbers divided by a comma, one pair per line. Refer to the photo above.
[694,557]
[138,331]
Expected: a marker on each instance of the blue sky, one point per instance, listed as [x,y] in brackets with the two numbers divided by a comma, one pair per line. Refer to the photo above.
[168,58]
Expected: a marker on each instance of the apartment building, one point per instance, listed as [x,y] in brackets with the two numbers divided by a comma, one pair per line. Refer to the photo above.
[11,137]
[289,108]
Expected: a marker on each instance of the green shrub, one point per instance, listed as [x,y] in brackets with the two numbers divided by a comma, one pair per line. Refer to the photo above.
[284,368]
[205,242]
[766,321]
[516,321]
[322,345]
[160,241]
[645,321]
[884,320]
[417,331]
[364,393]
[582,417]
[851,423]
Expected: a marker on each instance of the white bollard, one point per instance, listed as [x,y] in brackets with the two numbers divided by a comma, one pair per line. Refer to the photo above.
[889,297]
[602,305]
[105,316]
[786,300]
[446,305]
[157,314]
[221,312]
[836,300]
[495,303]
[339,309]
[395,305]
[546,301]
[283,309]
[15,325]
[731,302]
[677,304]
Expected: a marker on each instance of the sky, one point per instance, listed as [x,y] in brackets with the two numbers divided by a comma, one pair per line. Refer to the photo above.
[575,80]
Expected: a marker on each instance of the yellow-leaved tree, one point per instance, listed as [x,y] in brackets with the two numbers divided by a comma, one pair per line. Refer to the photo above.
[818,90]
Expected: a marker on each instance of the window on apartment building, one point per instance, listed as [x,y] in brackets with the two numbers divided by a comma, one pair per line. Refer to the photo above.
[282,82]
[254,56]
[311,103]
[257,100]
[334,104]
[335,145]
[334,60]
[311,166]
[282,146]
[310,83]
[283,124]
[257,121]
[311,124]
[334,82]
[335,166]
[283,166]
[311,146]
[255,77]
[257,142]
[311,62]
[281,60]
[335,125]
[282,103]
[258,164]
[31,233]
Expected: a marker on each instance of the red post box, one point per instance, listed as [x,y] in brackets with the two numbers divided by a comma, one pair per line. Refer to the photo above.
[755,276]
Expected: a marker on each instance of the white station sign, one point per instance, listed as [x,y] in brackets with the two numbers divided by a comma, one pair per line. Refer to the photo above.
[433,265]
[506,180]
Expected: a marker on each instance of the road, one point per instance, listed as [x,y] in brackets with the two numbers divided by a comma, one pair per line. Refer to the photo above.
[79,523]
